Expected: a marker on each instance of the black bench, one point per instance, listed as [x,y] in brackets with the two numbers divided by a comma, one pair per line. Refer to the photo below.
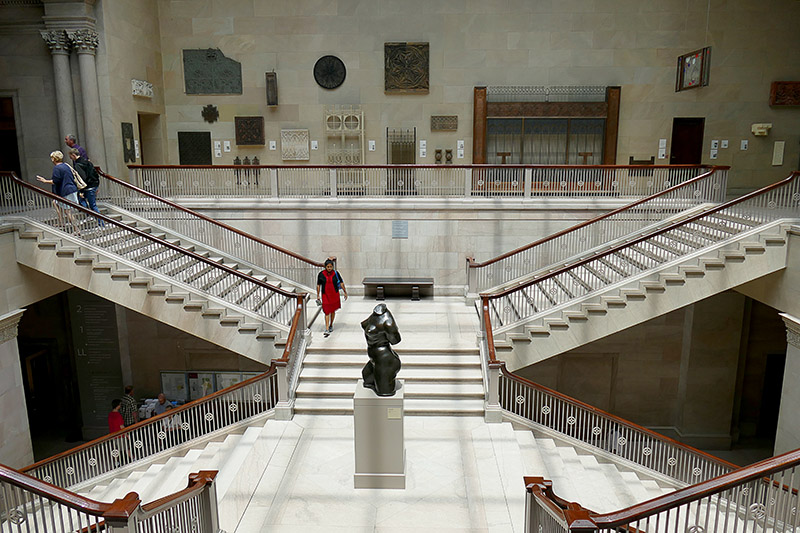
[381,287]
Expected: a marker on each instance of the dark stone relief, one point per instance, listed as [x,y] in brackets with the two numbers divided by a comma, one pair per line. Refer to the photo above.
[444,122]
[208,71]
[249,130]
[406,68]
[210,113]
[194,147]
[784,93]
[128,148]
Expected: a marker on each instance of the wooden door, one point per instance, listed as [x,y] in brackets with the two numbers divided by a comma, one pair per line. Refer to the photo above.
[687,141]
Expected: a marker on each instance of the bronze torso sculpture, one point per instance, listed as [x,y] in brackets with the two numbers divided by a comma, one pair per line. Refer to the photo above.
[381,332]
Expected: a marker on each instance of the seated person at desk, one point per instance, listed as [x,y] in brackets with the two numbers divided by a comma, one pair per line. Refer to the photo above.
[162,406]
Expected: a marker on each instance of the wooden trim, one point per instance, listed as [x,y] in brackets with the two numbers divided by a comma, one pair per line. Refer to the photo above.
[208,219]
[152,420]
[415,166]
[547,109]
[65,497]
[471,261]
[197,483]
[696,492]
[612,125]
[479,114]
[618,420]
[561,270]
[298,314]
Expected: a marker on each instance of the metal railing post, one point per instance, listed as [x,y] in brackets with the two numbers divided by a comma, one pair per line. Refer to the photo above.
[333,182]
[528,184]
[273,182]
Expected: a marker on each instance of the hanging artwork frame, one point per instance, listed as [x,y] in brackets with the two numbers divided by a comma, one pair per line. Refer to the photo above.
[693,69]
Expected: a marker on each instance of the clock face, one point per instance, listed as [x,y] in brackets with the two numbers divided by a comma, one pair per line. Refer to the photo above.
[329,72]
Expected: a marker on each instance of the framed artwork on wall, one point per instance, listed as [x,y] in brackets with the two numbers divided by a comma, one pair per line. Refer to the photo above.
[693,69]
[249,131]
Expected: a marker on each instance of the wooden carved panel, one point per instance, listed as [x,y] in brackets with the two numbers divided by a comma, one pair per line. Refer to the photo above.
[444,122]
[406,68]
[249,130]
[194,147]
[784,93]
[547,109]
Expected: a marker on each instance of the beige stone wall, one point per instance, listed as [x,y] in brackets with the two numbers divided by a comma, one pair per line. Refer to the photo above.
[634,44]
[130,49]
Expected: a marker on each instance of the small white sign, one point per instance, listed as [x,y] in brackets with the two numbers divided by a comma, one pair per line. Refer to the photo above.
[460,144]
[371,145]
[662,153]
[314,145]
[460,153]
[423,152]
[393,413]
[136,147]
[777,153]
[218,153]
[715,144]
[217,145]
[713,153]
[744,144]
[662,143]
[273,145]
[423,143]
[724,143]
[227,146]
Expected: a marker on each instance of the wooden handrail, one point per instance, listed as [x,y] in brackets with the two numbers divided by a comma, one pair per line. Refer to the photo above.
[161,242]
[473,264]
[197,482]
[298,314]
[726,205]
[481,166]
[753,472]
[487,322]
[123,507]
[209,219]
[615,418]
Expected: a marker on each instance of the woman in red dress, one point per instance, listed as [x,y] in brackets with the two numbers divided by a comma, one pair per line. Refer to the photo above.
[328,284]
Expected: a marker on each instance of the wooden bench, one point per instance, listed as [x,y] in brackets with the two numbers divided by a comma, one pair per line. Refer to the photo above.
[381,287]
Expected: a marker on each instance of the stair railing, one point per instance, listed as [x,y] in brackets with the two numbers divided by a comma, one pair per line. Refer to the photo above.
[679,196]
[561,287]
[201,228]
[433,181]
[221,282]
[509,394]
[760,497]
[30,505]
[192,422]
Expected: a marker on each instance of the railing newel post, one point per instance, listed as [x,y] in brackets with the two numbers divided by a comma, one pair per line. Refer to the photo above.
[468,181]
[273,182]
[333,185]
[528,182]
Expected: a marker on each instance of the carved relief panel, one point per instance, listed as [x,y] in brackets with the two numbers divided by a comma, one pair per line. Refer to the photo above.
[294,145]
[406,68]
[208,71]
[249,130]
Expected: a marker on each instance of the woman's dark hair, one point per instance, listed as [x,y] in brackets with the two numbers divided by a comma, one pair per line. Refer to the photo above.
[115,402]
[328,262]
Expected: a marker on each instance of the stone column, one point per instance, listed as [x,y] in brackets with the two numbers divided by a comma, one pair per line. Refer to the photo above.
[59,45]
[787,437]
[85,43]
[16,449]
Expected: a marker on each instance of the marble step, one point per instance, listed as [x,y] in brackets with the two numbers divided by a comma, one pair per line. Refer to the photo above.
[412,407]
[407,360]
[310,389]
[334,373]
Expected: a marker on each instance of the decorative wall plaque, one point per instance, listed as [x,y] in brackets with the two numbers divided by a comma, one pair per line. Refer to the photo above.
[194,147]
[294,145]
[128,148]
[784,93]
[329,72]
[272,88]
[406,68]
[142,88]
[210,72]
[210,113]
[693,69]
[444,122]
[249,130]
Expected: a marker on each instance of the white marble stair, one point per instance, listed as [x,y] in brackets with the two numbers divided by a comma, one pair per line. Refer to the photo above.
[584,478]
[437,382]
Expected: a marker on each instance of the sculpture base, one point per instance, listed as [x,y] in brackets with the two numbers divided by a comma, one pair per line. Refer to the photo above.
[379,441]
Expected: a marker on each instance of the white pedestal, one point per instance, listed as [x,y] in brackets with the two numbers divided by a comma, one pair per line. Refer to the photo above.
[379,445]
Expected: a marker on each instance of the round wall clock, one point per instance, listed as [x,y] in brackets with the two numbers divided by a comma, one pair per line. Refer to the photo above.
[329,72]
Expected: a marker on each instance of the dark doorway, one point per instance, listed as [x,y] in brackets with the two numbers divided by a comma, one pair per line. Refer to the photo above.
[771,395]
[687,141]
[9,150]
[150,139]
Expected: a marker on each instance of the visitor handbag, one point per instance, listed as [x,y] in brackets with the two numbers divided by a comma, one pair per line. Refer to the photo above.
[78,179]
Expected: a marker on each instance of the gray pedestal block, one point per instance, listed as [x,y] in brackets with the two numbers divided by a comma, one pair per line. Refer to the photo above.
[379,441]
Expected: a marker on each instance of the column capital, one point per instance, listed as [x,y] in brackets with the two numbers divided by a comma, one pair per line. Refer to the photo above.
[85,41]
[8,325]
[792,329]
[57,41]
